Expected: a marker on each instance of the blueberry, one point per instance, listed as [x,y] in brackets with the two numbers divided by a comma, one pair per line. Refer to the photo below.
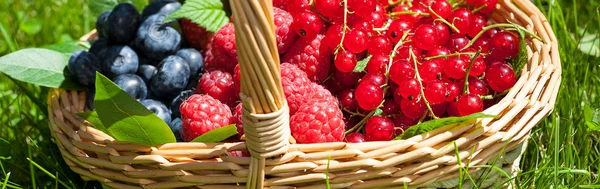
[89,97]
[118,60]
[99,46]
[193,58]
[184,95]
[171,79]
[100,23]
[156,39]
[158,108]
[146,71]
[132,84]
[176,126]
[83,66]
[160,6]
[122,24]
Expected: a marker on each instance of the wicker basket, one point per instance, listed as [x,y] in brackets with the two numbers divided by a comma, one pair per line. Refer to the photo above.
[432,159]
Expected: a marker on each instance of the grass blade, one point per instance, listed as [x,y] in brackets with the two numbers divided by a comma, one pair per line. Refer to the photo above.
[48,173]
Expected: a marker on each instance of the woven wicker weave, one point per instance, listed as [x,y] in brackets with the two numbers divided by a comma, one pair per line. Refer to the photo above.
[427,160]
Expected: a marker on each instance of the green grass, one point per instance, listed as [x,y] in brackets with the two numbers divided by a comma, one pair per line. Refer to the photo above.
[562,151]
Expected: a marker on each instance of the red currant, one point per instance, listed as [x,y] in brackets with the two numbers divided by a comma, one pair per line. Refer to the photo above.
[307,24]
[403,53]
[477,86]
[377,19]
[397,29]
[454,89]
[356,41]
[479,21]
[426,37]
[378,64]
[500,77]
[401,70]
[297,6]
[368,95]
[355,138]
[379,45]
[409,89]
[457,42]
[490,5]
[437,51]
[333,36]
[377,79]
[482,43]
[442,8]
[461,19]
[430,70]
[361,7]
[505,45]
[329,8]
[435,92]
[390,107]
[414,108]
[347,100]
[439,109]
[362,24]
[469,104]
[456,67]
[379,128]
[478,67]
[345,61]
[443,33]
[347,79]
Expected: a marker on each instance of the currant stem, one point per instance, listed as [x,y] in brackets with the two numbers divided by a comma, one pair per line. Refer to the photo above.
[392,3]
[353,113]
[450,55]
[466,86]
[359,125]
[485,29]
[487,97]
[414,57]
[479,9]
[408,12]
[344,26]
[439,18]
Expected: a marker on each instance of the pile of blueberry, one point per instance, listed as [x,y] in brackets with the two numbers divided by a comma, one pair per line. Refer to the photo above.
[145,56]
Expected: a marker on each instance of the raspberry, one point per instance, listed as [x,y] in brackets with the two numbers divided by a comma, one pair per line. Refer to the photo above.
[285,35]
[237,81]
[237,119]
[317,121]
[202,113]
[196,36]
[318,92]
[282,4]
[313,56]
[296,86]
[219,85]
[223,49]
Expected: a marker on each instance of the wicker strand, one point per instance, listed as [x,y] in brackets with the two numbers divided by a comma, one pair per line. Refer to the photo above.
[265,114]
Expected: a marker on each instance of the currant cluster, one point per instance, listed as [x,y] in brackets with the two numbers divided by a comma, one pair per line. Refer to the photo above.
[425,59]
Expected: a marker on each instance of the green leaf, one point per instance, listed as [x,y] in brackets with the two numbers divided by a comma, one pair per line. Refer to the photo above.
[93,118]
[40,67]
[521,60]
[218,134]
[591,117]
[437,123]
[125,118]
[31,27]
[68,47]
[362,64]
[377,112]
[99,6]
[590,44]
[206,13]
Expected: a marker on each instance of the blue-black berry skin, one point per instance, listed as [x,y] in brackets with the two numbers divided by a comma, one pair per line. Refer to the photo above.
[89,97]
[160,7]
[146,72]
[184,95]
[156,39]
[132,84]
[119,60]
[171,79]
[83,67]
[194,60]
[100,23]
[176,126]
[158,108]
[122,24]
[98,47]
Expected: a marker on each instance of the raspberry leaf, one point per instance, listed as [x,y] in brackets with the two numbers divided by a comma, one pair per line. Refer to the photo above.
[362,64]
[93,118]
[99,6]
[218,134]
[40,67]
[206,13]
[125,118]
[437,123]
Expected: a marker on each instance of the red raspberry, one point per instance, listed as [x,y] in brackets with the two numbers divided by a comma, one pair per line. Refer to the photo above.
[219,85]
[195,35]
[237,81]
[296,86]
[313,56]
[237,119]
[285,35]
[316,122]
[223,49]
[321,93]
[282,4]
[202,113]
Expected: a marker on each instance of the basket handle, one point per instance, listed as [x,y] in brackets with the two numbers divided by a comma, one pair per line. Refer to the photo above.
[265,110]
